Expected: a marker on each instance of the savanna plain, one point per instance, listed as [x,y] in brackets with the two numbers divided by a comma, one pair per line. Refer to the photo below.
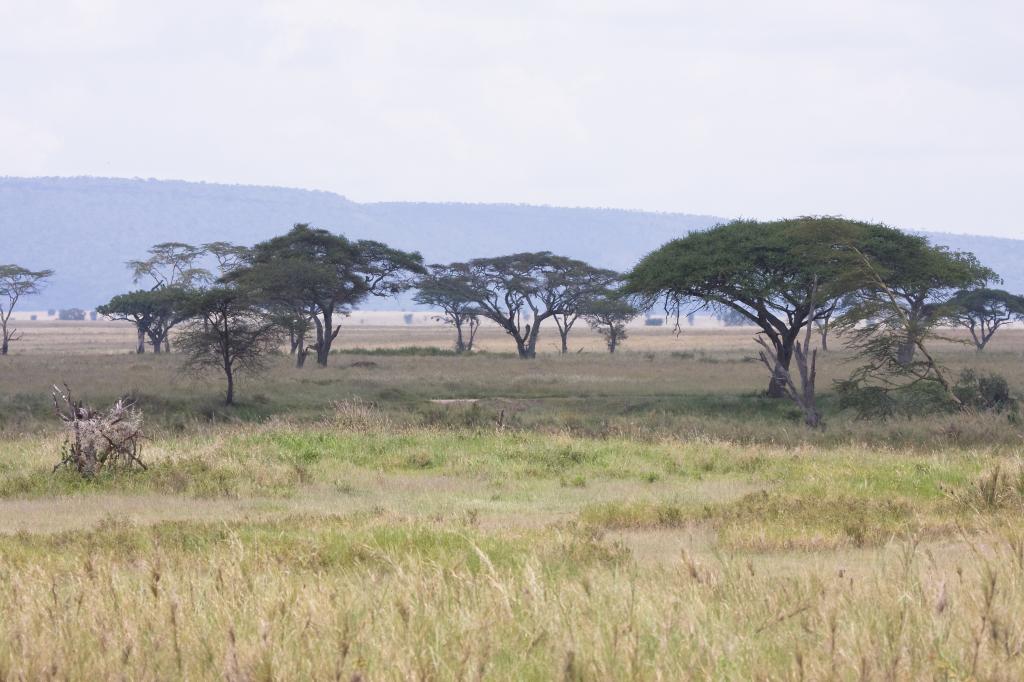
[406,513]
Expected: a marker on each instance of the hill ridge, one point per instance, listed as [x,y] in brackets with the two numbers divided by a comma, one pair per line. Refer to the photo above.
[86,227]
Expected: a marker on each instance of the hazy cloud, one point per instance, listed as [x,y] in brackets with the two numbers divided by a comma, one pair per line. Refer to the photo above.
[908,112]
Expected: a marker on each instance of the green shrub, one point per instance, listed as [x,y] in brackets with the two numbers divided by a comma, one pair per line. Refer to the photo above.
[985,393]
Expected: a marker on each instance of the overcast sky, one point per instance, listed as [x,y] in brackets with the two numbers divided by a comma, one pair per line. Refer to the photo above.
[907,112]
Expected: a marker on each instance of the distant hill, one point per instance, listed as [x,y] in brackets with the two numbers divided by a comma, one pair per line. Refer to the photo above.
[86,228]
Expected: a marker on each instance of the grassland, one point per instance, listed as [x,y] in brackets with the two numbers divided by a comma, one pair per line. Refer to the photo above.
[415,516]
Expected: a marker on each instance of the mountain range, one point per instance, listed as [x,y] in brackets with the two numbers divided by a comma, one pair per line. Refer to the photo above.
[85,229]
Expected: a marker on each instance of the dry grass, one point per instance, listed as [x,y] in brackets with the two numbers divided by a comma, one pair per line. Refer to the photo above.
[644,516]
[388,598]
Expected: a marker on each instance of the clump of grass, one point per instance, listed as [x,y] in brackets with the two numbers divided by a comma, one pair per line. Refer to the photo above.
[999,488]
[188,476]
[357,414]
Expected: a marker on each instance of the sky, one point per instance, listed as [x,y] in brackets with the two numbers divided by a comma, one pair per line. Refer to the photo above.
[911,113]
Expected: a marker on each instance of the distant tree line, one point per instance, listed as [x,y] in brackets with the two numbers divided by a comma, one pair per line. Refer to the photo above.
[232,305]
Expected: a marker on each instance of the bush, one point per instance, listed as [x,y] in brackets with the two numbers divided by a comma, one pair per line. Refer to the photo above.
[878,402]
[981,393]
[984,393]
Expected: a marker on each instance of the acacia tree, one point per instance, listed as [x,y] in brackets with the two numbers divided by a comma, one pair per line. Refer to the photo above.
[16,282]
[518,292]
[229,257]
[920,278]
[152,312]
[173,266]
[879,330]
[608,316]
[227,330]
[764,272]
[983,312]
[317,275]
[445,287]
[575,285]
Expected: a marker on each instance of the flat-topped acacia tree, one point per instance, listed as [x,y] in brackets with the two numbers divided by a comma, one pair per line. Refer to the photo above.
[152,312]
[779,275]
[445,287]
[16,283]
[983,312]
[519,291]
[319,275]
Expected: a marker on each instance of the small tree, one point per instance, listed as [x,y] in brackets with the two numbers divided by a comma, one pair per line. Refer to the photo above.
[920,278]
[445,287]
[983,312]
[609,316]
[153,313]
[16,282]
[227,330]
[575,285]
[880,328]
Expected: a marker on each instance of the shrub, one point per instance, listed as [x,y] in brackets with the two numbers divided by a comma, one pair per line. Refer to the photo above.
[985,393]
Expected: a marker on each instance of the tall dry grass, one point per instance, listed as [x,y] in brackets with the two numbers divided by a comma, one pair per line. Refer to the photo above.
[379,599]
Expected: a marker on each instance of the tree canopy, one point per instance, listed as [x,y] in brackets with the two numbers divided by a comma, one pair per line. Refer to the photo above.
[319,275]
[766,272]
[519,291]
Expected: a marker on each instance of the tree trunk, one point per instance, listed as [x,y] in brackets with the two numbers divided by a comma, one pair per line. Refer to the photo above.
[564,333]
[777,385]
[325,334]
[532,333]
[140,346]
[230,398]
[460,344]
[824,336]
[4,345]
[906,351]
[523,348]
[158,344]
[300,357]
